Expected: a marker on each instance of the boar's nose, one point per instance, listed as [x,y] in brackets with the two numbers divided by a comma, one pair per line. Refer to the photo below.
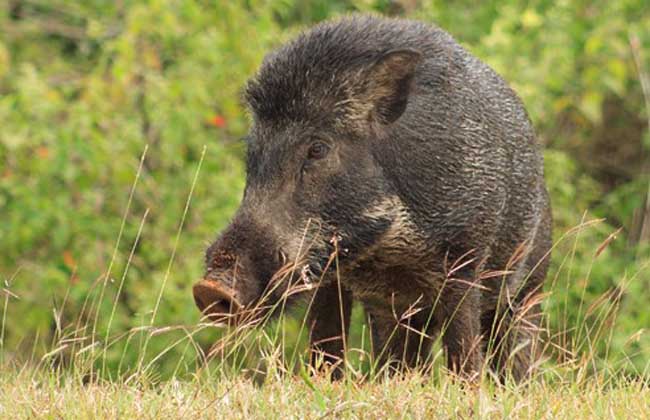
[215,300]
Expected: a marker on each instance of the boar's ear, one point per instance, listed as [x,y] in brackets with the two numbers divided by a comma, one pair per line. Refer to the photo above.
[388,84]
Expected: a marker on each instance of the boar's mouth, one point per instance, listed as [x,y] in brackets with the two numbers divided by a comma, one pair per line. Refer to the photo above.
[216,300]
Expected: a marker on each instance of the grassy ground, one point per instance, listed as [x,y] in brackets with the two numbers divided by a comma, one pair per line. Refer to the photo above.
[29,395]
[243,375]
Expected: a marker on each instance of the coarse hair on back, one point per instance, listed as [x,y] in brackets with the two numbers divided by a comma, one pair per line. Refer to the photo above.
[317,73]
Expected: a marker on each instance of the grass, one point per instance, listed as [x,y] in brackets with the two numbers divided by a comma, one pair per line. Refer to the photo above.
[571,382]
[29,394]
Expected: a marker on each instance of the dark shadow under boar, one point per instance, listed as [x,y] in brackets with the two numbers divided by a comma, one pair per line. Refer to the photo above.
[387,164]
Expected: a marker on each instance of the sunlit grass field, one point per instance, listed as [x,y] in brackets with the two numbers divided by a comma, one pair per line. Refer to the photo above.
[30,394]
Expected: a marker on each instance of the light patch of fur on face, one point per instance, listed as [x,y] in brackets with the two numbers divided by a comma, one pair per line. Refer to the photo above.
[304,238]
[304,242]
[400,243]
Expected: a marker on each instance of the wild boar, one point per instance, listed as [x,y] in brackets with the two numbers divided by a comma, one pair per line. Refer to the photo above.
[387,164]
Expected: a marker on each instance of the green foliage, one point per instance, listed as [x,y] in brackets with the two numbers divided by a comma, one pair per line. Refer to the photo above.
[87,87]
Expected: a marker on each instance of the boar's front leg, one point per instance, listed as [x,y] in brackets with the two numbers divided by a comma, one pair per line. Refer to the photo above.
[461,333]
[396,347]
[329,320]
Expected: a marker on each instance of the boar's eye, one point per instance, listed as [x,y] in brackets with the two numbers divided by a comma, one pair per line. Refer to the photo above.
[318,150]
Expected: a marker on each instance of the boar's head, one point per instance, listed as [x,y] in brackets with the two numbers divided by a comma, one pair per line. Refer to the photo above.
[313,177]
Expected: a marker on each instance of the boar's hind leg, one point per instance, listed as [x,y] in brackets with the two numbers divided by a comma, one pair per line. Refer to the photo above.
[515,334]
[514,347]
[513,343]
[328,332]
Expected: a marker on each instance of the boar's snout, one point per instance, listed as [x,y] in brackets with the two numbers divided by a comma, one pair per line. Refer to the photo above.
[215,300]
[240,265]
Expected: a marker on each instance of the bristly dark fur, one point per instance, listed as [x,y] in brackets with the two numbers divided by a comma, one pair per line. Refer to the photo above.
[320,67]
[432,177]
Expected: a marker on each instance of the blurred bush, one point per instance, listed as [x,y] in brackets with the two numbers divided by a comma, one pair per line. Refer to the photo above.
[87,87]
